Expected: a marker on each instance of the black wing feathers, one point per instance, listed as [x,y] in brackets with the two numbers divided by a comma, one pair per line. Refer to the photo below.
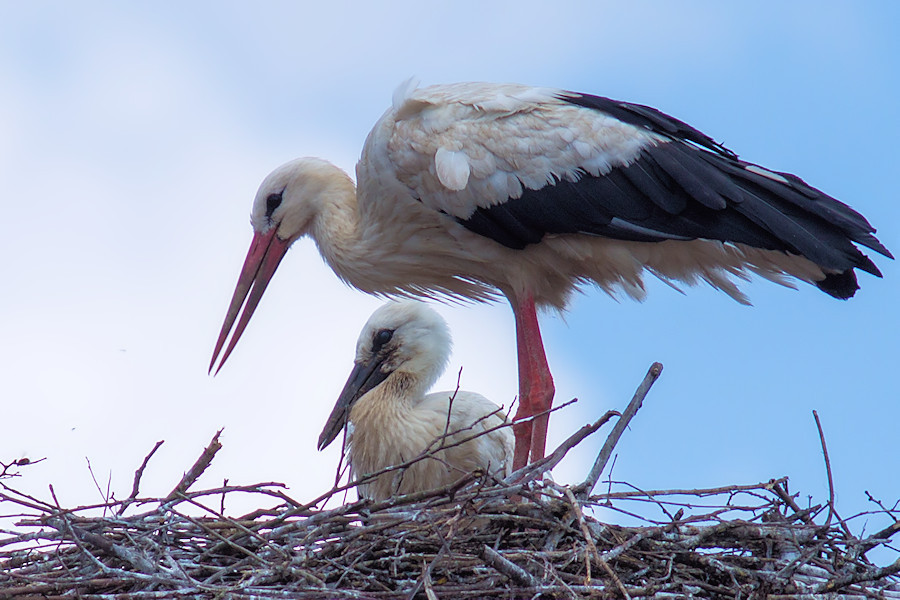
[649,118]
[697,180]
[642,177]
[686,188]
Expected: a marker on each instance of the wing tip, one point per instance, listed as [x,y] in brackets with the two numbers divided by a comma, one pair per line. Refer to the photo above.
[842,286]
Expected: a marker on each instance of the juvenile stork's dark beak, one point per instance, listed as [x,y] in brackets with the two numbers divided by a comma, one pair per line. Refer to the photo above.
[365,376]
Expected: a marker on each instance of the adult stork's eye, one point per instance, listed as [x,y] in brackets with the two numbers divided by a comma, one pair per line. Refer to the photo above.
[273,202]
[382,337]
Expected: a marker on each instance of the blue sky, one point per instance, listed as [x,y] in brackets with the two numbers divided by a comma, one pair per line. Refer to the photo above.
[132,141]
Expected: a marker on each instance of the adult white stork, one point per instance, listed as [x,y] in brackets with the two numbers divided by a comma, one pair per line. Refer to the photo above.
[402,350]
[468,189]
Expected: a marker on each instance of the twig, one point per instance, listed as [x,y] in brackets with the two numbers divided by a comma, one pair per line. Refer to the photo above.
[425,578]
[700,492]
[450,406]
[592,548]
[509,568]
[6,468]
[827,469]
[103,495]
[535,469]
[871,574]
[783,495]
[197,469]
[135,487]
[584,489]
[878,538]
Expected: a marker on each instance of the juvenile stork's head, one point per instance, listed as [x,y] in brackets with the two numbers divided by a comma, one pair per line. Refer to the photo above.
[284,210]
[401,340]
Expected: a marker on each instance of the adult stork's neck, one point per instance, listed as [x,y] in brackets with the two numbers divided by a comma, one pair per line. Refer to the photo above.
[382,241]
[337,231]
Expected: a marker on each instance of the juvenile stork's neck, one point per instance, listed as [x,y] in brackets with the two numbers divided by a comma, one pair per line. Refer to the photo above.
[389,404]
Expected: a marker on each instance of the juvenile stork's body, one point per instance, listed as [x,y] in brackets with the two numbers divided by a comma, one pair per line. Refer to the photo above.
[469,189]
[402,350]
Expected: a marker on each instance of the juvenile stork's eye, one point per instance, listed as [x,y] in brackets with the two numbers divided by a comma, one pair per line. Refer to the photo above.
[273,202]
[382,337]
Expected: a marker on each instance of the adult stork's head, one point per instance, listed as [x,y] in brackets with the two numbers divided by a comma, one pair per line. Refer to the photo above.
[285,209]
[405,344]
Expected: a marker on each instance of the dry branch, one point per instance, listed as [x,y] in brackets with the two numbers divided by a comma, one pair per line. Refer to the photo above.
[585,488]
[196,470]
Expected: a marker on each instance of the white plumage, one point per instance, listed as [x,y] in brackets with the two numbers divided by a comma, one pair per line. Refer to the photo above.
[469,189]
[402,350]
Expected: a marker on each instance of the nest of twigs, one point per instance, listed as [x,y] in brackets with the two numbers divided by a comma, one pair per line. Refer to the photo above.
[523,537]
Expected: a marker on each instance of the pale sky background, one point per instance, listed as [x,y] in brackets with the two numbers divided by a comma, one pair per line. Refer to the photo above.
[133,139]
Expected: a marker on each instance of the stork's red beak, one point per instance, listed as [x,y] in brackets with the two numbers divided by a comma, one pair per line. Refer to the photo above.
[266,252]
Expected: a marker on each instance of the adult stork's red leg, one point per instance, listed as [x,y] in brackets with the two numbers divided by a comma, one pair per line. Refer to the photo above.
[535,384]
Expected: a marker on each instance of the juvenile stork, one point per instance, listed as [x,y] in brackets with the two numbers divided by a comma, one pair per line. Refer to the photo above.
[465,190]
[402,350]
